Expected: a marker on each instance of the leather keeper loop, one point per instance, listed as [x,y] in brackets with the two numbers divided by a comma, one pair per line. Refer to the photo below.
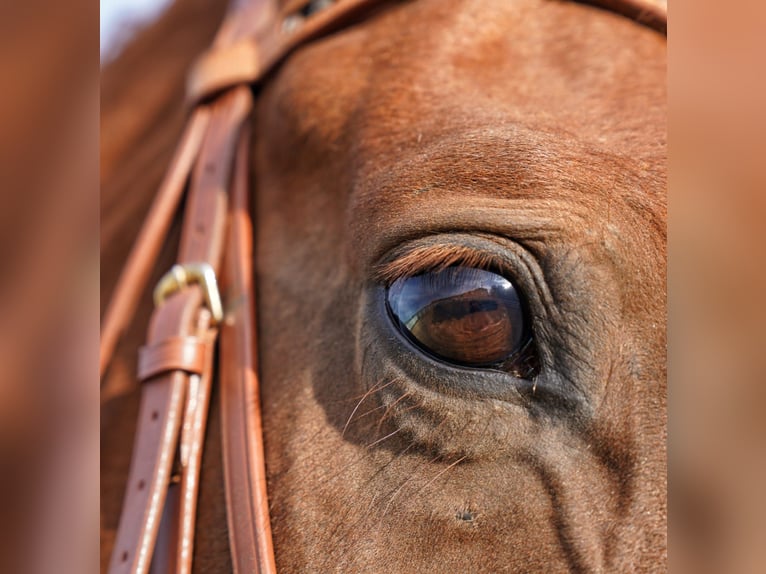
[173,354]
[221,68]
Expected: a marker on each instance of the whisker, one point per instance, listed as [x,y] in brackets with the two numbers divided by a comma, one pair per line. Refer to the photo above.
[372,410]
[441,472]
[390,408]
[405,483]
[352,525]
[357,397]
[458,461]
[389,435]
[373,389]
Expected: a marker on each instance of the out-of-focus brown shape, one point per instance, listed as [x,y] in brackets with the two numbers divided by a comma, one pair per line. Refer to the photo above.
[48,221]
[717,288]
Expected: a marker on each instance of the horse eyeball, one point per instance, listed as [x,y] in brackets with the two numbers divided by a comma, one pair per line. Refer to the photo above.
[462,315]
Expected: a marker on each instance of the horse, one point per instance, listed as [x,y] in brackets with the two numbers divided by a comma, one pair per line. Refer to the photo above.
[434,173]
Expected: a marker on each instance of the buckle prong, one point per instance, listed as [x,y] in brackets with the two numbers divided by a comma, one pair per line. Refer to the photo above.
[184,274]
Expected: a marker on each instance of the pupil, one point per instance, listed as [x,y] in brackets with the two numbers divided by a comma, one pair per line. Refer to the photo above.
[463,315]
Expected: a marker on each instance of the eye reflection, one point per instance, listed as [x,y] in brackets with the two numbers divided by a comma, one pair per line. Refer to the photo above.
[463,315]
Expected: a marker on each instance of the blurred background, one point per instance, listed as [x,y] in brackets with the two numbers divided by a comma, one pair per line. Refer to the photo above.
[120,19]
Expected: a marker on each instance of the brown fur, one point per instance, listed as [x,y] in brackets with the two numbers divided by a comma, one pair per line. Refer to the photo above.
[532,131]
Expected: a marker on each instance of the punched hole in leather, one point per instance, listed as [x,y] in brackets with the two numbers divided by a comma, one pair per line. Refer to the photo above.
[181,325]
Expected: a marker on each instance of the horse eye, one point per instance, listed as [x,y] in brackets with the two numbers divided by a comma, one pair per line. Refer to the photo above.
[463,315]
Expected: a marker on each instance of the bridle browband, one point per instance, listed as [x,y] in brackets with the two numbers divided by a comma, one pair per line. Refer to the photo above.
[192,317]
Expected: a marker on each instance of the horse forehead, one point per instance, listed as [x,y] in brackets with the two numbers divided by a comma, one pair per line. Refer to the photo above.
[422,69]
[518,100]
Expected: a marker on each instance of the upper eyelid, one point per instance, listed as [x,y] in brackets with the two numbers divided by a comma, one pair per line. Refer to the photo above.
[413,260]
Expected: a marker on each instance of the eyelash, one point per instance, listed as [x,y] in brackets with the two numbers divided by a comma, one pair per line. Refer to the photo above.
[430,259]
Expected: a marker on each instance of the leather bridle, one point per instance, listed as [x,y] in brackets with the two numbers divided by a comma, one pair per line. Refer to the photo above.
[194,313]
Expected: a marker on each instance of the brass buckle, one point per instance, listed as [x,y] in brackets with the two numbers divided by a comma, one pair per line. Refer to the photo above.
[184,274]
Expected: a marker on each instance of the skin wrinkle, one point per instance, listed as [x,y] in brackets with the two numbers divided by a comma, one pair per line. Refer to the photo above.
[530,129]
[562,525]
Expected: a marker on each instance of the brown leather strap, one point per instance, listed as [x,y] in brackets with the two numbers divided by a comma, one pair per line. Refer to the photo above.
[202,242]
[190,451]
[222,68]
[267,48]
[159,423]
[135,274]
[176,397]
[172,354]
[243,452]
